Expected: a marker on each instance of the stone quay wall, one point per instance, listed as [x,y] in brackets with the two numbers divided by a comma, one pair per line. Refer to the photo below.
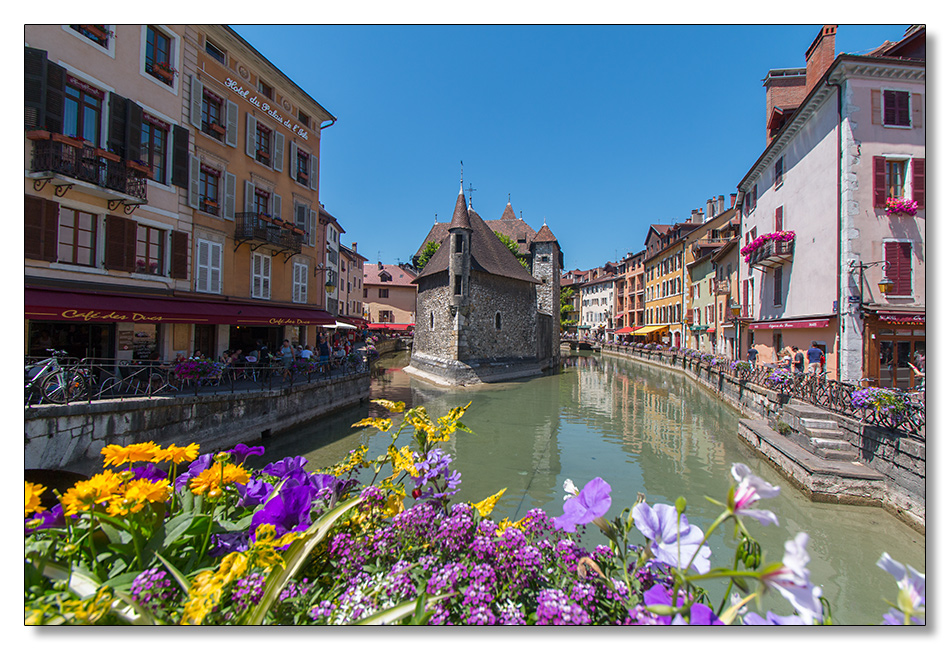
[71,437]
[900,457]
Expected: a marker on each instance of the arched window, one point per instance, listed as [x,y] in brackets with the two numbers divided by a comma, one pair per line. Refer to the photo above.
[497,320]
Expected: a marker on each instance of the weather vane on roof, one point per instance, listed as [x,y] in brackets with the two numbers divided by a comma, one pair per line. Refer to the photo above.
[470,190]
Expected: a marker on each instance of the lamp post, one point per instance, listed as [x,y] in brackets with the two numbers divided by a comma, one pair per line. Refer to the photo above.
[735,308]
[885,285]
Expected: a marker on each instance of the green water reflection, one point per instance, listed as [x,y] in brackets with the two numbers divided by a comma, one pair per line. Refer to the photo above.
[643,430]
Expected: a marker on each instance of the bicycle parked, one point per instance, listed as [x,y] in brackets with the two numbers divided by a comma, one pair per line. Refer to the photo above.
[52,381]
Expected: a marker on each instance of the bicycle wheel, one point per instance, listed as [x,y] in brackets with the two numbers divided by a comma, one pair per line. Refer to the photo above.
[62,387]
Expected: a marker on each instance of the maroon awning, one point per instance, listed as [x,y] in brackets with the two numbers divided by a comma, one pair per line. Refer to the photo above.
[45,304]
[391,326]
[790,324]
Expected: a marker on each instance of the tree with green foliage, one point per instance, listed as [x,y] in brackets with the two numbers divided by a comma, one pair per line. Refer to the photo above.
[427,253]
[567,306]
[512,246]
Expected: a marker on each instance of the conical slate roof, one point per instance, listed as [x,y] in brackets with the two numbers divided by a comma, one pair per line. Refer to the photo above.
[545,235]
[508,213]
[460,216]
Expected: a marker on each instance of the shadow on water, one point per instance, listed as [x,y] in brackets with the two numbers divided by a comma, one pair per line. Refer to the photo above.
[641,428]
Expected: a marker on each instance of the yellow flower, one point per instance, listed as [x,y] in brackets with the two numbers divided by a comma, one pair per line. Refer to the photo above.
[394,505]
[207,587]
[177,454]
[392,407]
[145,490]
[218,475]
[140,451]
[85,495]
[403,460]
[33,492]
[505,524]
[355,458]
[485,506]
[92,609]
[383,424]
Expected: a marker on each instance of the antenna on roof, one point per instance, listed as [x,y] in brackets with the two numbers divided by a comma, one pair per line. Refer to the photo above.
[509,198]
[520,213]
[461,173]
[436,217]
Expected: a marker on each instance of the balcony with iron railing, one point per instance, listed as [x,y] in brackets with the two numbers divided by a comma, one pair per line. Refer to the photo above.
[69,162]
[259,230]
[772,253]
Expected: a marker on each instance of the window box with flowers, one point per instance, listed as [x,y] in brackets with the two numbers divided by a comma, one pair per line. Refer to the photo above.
[153,268]
[164,71]
[207,205]
[889,407]
[770,249]
[302,177]
[263,156]
[899,206]
[139,166]
[217,128]
[101,32]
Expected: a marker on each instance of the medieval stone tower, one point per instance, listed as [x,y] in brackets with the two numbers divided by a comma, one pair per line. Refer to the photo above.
[481,316]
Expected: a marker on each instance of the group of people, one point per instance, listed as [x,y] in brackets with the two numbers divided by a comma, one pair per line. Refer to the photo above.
[328,349]
[794,359]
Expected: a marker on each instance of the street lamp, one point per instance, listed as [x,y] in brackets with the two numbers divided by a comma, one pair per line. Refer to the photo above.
[736,309]
[885,285]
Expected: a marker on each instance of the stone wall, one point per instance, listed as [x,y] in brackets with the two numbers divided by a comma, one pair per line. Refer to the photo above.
[900,457]
[516,302]
[71,436]
[434,333]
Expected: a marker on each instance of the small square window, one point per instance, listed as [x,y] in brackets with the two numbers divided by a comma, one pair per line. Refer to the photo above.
[303,118]
[779,171]
[215,52]
[896,108]
[265,89]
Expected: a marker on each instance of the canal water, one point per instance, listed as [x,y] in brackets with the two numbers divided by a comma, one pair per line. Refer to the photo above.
[641,429]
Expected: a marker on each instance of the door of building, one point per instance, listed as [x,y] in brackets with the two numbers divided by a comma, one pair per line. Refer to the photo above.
[897,350]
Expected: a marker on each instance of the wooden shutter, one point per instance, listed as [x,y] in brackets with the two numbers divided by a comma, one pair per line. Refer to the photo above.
[301,217]
[777,286]
[249,196]
[133,138]
[194,181]
[917,110]
[314,175]
[120,243]
[313,227]
[918,180]
[180,157]
[179,265]
[250,144]
[214,281]
[277,155]
[118,119]
[231,136]
[780,218]
[890,108]
[880,181]
[34,88]
[275,205]
[55,96]
[197,98]
[230,191]
[875,107]
[755,195]
[897,255]
[40,228]
[292,160]
[202,266]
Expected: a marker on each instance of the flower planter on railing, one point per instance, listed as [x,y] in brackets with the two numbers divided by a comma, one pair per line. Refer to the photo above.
[760,245]
[164,72]
[887,407]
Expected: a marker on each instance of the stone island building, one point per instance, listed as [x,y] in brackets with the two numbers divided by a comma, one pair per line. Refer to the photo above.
[481,316]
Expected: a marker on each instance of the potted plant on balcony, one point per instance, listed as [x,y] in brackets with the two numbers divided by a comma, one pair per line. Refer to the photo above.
[761,240]
[900,205]
[163,70]
[140,265]
[99,31]
[265,217]
[153,268]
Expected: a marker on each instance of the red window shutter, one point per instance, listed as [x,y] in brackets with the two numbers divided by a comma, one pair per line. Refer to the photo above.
[897,255]
[875,107]
[890,107]
[880,182]
[918,180]
[179,258]
[40,228]
[755,195]
[779,218]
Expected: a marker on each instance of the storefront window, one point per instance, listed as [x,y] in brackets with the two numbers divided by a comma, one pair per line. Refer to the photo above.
[145,341]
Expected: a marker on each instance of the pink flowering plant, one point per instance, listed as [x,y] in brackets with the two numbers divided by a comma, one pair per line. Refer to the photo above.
[193,369]
[761,240]
[380,540]
[900,205]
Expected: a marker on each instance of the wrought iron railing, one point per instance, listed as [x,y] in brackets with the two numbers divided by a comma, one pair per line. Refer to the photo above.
[772,252]
[813,389]
[262,228]
[86,163]
[122,379]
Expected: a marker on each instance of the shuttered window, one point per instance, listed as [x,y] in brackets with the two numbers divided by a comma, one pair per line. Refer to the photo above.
[896,108]
[179,255]
[779,171]
[260,276]
[779,218]
[300,283]
[40,223]
[154,144]
[918,179]
[777,286]
[208,267]
[77,237]
[150,250]
[120,243]
[898,258]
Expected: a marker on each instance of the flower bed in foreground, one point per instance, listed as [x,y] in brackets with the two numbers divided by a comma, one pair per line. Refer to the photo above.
[168,536]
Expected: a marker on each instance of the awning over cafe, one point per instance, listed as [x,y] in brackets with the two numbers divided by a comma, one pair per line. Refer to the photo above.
[101,307]
[790,324]
[625,330]
[402,327]
[650,328]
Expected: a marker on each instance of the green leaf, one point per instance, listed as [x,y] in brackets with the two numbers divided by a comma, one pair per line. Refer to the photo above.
[294,558]
[179,577]
[403,609]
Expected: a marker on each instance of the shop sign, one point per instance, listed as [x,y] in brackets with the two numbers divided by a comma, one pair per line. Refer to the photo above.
[911,319]
[790,324]
[254,100]
[94,315]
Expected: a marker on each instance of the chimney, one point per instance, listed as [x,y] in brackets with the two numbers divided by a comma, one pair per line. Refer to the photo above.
[819,56]
[710,206]
[353,247]
[732,200]
[721,203]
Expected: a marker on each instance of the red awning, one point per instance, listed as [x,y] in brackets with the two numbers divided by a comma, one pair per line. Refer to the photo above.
[710,330]
[43,304]
[402,327]
[790,324]
[902,317]
[625,330]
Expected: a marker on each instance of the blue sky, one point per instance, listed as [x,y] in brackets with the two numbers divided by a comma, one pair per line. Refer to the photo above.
[597,130]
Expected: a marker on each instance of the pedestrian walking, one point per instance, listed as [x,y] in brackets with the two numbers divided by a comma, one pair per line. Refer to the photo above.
[753,355]
[798,360]
[814,358]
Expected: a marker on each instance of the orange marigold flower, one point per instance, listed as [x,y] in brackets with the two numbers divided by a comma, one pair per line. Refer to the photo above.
[85,495]
[33,492]
[216,476]
[140,451]
[177,454]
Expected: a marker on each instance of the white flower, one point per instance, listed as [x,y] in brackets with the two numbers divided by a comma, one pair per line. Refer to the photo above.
[570,488]
[793,580]
[749,490]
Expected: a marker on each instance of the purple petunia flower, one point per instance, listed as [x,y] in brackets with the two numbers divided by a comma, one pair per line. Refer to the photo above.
[148,471]
[52,518]
[590,503]
[253,493]
[660,525]
[282,468]
[288,511]
[241,451]
[749,490]
[198,465]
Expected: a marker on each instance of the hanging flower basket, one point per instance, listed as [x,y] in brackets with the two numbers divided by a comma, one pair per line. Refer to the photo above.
[898,206]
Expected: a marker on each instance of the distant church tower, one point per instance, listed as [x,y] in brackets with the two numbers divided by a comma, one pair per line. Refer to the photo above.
[546,267]
[460,266]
